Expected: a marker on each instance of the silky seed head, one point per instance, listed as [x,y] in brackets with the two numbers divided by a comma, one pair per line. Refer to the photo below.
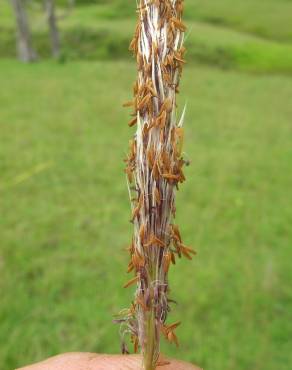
[154,170]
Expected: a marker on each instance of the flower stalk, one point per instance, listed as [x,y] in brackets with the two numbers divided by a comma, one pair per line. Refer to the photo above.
[154,168]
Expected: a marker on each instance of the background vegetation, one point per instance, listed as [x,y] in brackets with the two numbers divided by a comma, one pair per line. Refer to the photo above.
[64,209]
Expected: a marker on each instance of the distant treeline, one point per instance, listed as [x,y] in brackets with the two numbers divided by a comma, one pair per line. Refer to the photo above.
[24,43]
[24,40]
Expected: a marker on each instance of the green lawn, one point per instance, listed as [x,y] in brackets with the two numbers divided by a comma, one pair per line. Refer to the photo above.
[64,214]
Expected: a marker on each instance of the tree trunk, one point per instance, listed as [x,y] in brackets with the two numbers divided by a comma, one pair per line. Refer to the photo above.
[71,3]
[52,22]
[24,43]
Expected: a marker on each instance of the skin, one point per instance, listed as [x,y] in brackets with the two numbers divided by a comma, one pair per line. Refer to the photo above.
[93,361]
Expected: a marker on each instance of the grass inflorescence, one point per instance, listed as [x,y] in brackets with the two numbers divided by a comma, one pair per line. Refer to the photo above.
[154,171]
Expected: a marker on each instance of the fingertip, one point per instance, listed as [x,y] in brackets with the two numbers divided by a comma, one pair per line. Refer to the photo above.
[65,361]
[134,362]
[93,361]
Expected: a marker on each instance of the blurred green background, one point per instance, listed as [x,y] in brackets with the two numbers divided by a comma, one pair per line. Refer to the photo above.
[64,209]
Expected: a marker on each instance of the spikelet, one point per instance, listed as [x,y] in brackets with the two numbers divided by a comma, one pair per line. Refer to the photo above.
[154,171]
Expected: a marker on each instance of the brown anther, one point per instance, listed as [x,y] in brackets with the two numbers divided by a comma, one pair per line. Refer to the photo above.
[178,24]
[133,122]
[142,233]
[166,261]
[131,282]
[157,196]
[171,176]
[187,251]
[130,267]
[128,104]
[144,102]
[155,241]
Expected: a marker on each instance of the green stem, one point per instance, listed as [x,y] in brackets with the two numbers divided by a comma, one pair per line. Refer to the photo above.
[150,346]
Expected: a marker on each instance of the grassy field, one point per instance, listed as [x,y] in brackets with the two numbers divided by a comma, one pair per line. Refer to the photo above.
[64,207]
[64,214]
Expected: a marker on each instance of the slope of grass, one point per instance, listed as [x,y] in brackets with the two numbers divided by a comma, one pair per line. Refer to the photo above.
[64,214]
[83,38]
[270,19]
[87,34]
[266,18]
[223,47]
